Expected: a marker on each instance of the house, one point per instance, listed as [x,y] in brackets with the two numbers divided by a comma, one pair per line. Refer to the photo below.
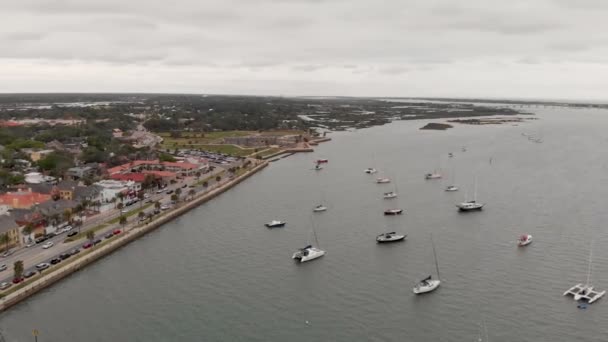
[33,217]
[38,178]
[80,172]
[36,155]
[9,226]
[56,208]
[75,191]
[111,188]
[23,198]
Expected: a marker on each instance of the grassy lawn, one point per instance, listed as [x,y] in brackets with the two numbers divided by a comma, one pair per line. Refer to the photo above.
[232,150]
[268,152]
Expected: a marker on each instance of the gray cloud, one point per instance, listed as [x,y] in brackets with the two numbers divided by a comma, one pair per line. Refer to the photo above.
[349,47]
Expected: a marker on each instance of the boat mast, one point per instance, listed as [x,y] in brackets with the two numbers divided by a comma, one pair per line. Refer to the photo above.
[435,256]
[314,233]
[475,190]
[590,262]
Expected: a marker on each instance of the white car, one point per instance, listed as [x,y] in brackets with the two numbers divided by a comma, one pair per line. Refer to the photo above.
[48,245]
[165,207]
[68,228]
[3,267]
[124,211]
[146,195]
[30,244]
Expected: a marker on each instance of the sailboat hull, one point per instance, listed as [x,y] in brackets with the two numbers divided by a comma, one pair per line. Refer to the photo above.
[430,286]
[312,253]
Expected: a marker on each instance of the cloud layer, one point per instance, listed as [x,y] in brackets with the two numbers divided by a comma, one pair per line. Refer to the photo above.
[542,48]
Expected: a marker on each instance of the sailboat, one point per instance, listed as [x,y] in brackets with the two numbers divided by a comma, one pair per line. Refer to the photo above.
[391,194]
[309,252]
[471,205]
[586,291]
[428,284]
[452,188]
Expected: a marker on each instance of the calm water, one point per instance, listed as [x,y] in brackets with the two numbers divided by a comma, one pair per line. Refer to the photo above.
[216,274]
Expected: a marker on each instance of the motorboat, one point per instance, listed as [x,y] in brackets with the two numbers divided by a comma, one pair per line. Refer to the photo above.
[524,240]
[383,180]
[370,170]
[451,188]
[390,194]
[321,161]
[393,212]
[319,208]
[308,253]
[275,224]
[432,175]
[390,237]
[469,206]
[427,285]
[318,167]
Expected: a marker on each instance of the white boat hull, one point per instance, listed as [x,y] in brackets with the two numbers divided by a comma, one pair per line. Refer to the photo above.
[319,209]
[382,238]
[467,206]
[390,196]
[371,171]
[312,253]
[430,286]
[451,189]
[584,292]
[522,243]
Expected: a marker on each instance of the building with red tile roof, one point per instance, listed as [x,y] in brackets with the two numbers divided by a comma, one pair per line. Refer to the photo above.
[23,199]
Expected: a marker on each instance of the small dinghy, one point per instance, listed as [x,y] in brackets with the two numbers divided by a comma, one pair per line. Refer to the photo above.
[383,180]
[432,175]
[390,237]
[370,170]
[524,240]
[451,188]
[389,195]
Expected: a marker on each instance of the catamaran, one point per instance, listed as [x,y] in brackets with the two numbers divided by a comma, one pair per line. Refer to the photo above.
[471,205]
[429,284]
[586,291]
[309,252]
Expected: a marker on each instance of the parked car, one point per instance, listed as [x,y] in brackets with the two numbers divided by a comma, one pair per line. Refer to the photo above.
[97,241]
[30,244]
[7,253]
[5,285]
[68,228]
[160,191]
[165,207]
[17,280]
[42,266]
[64,256]
[87,245]
[156,211]
[146,195]
[185,185]
[41,239]
[29,274]
[109,235]
[3,267]
[70,234]
[55,261]
[74,251]
[48,245]
[169,192]
[117,231]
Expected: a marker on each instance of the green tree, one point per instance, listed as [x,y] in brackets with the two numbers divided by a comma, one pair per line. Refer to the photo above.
[191,193]
[123,221]
[141,215]
[218,178]
[164,157]
[28,229]
[178,191]
[90,235]
[157,205]
[67,215]
[198,175]
[120,205]
[205,184]
[18,269]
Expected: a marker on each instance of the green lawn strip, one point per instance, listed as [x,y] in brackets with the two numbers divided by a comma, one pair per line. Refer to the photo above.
[131,213]
[83,234]
[207,179]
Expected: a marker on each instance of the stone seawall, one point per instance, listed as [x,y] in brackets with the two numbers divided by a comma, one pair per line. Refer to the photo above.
[52,276]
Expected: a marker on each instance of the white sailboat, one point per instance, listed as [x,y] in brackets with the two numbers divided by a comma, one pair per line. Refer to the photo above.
[391,194]
[428,284]
[471,205]
[309,252]
[586,291]
[452,187]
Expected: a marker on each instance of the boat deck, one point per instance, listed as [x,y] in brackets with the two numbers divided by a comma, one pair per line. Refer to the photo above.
[590,297]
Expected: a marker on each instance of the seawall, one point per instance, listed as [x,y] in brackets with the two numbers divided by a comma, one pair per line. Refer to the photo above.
[54,275]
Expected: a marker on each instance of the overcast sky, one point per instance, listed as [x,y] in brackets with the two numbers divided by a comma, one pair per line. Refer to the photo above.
[485,48]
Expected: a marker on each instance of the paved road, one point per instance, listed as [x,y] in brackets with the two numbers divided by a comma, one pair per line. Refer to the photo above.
[36,254]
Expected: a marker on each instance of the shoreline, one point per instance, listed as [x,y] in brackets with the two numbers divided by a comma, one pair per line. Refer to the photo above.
[56,275]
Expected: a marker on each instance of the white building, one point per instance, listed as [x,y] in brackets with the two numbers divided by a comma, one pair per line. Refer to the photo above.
[111,188]
[37,178]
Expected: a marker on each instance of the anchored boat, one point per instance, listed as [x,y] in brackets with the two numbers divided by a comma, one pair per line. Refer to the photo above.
[383,180]
[524,240]
[390,237]
[393,212]
[275,224]
[586,292]
[429,284]
[370,170]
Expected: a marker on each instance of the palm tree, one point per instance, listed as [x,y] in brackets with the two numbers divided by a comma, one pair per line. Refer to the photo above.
[178,191]
[120,206]
[18,269]
[90,235]
[67,215]
[55,218]
[191,193]
[157,205]
[218,178]
[28,229]
[141,215]
[198,175]
[205,184]
[123,221]
[120,196]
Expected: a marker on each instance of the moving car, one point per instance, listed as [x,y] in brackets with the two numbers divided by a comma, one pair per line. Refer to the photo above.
[74,251]
[64,256]
[7,253]
[3,267]
[48,245]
